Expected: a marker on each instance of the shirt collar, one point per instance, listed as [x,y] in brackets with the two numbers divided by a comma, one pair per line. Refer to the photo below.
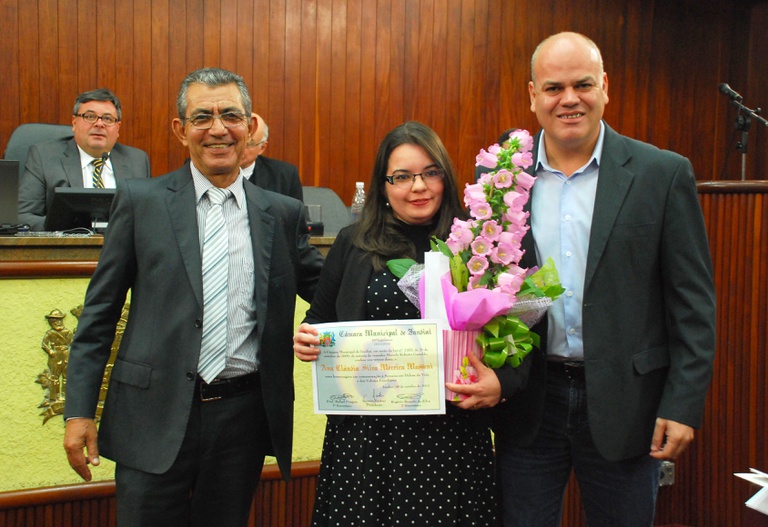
[248,171]
[202,184]
[543,163]
[86,158]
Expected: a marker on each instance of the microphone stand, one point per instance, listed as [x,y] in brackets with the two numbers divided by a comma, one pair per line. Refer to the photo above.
[743,122]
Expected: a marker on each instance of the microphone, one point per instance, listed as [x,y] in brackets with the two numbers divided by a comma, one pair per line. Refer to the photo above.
[724,88]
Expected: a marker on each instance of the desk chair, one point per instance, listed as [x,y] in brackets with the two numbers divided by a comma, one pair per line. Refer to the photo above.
[29,134]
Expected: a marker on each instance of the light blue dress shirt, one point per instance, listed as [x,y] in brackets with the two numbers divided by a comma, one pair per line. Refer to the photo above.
[561,220]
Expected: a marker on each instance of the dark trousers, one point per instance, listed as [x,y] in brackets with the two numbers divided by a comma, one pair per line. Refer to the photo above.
[533,479]
[214,477]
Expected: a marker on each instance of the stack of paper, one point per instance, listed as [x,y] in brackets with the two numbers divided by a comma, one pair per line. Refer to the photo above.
[759,501]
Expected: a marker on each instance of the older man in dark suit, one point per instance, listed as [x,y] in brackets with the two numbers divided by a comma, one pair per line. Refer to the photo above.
[75,162]
[271,174]
[202,386]
[627,351]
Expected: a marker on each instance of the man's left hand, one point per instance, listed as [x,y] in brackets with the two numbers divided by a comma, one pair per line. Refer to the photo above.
[670,439]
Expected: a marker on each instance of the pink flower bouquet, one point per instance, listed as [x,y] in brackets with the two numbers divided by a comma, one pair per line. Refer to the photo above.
[485,290]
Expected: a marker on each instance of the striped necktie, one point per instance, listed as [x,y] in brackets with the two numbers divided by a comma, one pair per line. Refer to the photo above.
[213,351]
[98,166]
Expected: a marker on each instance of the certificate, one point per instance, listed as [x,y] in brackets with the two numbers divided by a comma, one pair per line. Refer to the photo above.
[388,367]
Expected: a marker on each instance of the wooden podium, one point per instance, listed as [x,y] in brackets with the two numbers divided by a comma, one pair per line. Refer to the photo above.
[68,255]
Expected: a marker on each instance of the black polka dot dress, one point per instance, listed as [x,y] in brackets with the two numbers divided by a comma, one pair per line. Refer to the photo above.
[428,470]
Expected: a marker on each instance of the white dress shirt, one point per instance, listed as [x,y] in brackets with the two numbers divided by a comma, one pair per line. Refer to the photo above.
[107,174]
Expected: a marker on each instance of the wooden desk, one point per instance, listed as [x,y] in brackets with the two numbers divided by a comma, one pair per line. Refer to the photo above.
[323,243]
[50,248]
[68,256]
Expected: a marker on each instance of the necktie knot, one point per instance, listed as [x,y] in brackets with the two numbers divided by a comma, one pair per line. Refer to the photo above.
[217,196]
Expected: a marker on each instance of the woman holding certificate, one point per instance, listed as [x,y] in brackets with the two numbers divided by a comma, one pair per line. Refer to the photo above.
[381,470]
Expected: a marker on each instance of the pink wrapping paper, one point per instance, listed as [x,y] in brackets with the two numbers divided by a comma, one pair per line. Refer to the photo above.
[471,310]
[456,346]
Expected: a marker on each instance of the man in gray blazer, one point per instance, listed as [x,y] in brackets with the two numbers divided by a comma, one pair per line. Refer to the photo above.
[189,443]
[627,350]
[70,162]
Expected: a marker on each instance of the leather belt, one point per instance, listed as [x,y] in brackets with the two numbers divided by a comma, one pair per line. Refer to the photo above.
[225,388]
[574,370]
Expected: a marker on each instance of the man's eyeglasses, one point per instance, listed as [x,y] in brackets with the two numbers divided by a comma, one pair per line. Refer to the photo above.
[406,179]
[203,121]
[91,118]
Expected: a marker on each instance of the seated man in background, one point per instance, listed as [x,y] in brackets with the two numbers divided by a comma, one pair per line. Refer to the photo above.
[91,159]
[271,174]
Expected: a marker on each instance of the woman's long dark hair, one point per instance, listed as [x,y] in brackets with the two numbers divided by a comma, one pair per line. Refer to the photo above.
[377,230]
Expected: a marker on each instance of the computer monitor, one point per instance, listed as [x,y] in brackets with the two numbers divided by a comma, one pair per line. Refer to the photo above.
[74,208]
[9,196]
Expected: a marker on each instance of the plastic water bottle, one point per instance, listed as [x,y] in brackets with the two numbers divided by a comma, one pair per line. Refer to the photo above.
[358,201]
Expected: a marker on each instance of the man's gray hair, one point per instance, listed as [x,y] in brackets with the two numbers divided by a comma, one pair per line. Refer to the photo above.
[265,135]
[211,77]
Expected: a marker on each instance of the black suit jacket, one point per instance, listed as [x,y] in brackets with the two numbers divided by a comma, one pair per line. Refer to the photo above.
[152,248]
[57,164]
[649,305]
[277,176]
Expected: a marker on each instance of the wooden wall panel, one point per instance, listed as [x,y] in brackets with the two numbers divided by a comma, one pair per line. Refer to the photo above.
[332,77]
[9,43]
[755,89]
[351,124]
[732,437]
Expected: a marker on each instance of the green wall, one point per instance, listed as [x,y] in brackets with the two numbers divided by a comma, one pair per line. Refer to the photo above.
[32,454]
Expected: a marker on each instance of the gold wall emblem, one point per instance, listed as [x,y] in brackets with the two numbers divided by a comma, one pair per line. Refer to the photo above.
[56,344]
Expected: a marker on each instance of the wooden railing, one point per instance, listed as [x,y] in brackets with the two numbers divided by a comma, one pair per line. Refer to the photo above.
[276,504]
[732,438]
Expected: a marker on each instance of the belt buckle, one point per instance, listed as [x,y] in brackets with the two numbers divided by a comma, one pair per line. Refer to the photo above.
[205,399]
[573,370]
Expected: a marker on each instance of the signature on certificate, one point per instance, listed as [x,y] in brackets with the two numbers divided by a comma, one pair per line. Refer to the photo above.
[413,397]
[375,396]
[341,397]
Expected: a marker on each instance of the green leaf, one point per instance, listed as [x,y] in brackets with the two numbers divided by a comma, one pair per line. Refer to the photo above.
[400,266]
[529,288]
[440,245]
[459,273]
[546,281]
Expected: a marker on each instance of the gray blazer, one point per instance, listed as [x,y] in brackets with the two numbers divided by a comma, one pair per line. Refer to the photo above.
[649,305]
[57,164]
[152,249]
